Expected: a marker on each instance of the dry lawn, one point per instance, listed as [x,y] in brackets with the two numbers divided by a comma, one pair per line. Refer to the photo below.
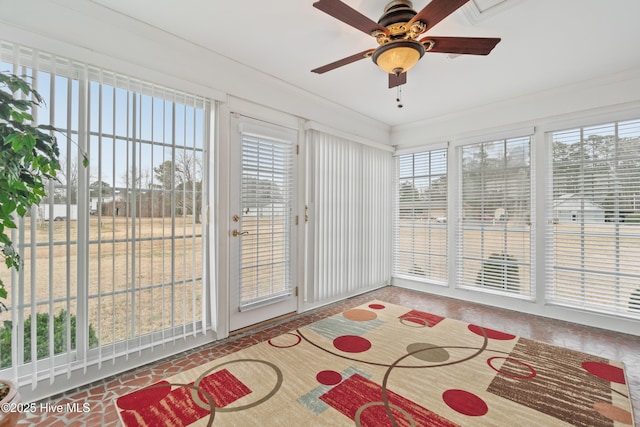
[159,278]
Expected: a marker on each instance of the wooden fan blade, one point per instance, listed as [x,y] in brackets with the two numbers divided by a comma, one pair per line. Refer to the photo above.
[349,16]
[436,11]
[397,79]
[461,45]
[344,61]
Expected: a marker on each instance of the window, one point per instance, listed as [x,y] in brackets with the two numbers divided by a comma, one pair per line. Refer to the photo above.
[594,237]
[420,229]
[495,209]
[266,211]
[115,252]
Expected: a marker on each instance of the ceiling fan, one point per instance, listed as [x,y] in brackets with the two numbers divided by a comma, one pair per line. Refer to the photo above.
[397,32]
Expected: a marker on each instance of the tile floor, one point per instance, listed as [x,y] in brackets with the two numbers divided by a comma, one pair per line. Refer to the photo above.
[590,340]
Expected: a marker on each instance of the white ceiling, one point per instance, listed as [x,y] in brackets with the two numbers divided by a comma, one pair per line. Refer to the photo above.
[545,44]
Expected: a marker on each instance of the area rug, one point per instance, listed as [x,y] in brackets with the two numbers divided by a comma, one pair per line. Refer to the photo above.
[381,364]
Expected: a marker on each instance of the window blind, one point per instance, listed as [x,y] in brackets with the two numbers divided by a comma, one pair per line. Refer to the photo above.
[495,232]
[420,226]
[350,216]
[594,204]
[267,206]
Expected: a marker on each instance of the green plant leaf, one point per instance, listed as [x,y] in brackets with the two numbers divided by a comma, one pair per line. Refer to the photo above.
[28,157]
[8,207]
[10,224]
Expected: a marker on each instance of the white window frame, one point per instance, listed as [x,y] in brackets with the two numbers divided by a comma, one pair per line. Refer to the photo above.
[584,302]
[428,223]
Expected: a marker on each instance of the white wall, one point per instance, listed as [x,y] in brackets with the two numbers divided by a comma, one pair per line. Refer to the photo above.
[581,100]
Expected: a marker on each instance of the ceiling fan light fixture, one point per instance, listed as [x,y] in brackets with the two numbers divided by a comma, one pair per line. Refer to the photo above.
[398,56]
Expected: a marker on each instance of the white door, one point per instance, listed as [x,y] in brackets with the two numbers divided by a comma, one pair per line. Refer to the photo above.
[262,235]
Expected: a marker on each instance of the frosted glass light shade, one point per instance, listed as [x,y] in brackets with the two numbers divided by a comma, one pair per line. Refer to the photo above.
[398,56]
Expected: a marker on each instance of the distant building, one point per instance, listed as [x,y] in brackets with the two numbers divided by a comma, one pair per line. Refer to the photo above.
[57,212]
[576,208]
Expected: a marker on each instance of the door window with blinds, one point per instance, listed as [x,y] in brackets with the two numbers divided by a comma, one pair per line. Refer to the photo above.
[495,233]
[113,255]
[594,235]
[266,205]
[420,229]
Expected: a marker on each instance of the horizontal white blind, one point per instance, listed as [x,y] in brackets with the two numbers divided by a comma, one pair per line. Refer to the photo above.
[420,227]
[267,206]
[495,239]
[594,237]
[350,211]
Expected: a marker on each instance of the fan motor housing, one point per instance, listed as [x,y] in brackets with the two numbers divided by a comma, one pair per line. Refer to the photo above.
[398,11]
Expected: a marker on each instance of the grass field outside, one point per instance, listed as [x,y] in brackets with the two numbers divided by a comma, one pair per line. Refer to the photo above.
[154,276]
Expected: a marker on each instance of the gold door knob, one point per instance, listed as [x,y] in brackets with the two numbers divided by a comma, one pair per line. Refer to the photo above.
[237,233]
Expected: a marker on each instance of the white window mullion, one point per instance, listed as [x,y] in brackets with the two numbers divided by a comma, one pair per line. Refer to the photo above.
[82,223]
[163,277]
[98,212]
[51,200]
[33,303]
[195,214]
[114,319]
[184,282]
[69,135]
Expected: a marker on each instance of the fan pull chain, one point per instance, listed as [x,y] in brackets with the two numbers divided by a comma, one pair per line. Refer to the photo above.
[399,96]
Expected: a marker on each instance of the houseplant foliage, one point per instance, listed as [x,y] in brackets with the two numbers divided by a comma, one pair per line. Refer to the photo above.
[41,339]
[28,159]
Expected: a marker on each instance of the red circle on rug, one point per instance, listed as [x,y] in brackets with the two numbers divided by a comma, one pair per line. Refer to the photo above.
[329,377]
[145,397]
[465,403]
[605,371]
[352,344]
[493,334]
[377,306]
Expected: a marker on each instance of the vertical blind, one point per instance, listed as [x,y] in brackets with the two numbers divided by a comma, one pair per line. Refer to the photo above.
[420,226]
[594,235]
[350,213]
[114,254]
[495,233]
[267,209]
